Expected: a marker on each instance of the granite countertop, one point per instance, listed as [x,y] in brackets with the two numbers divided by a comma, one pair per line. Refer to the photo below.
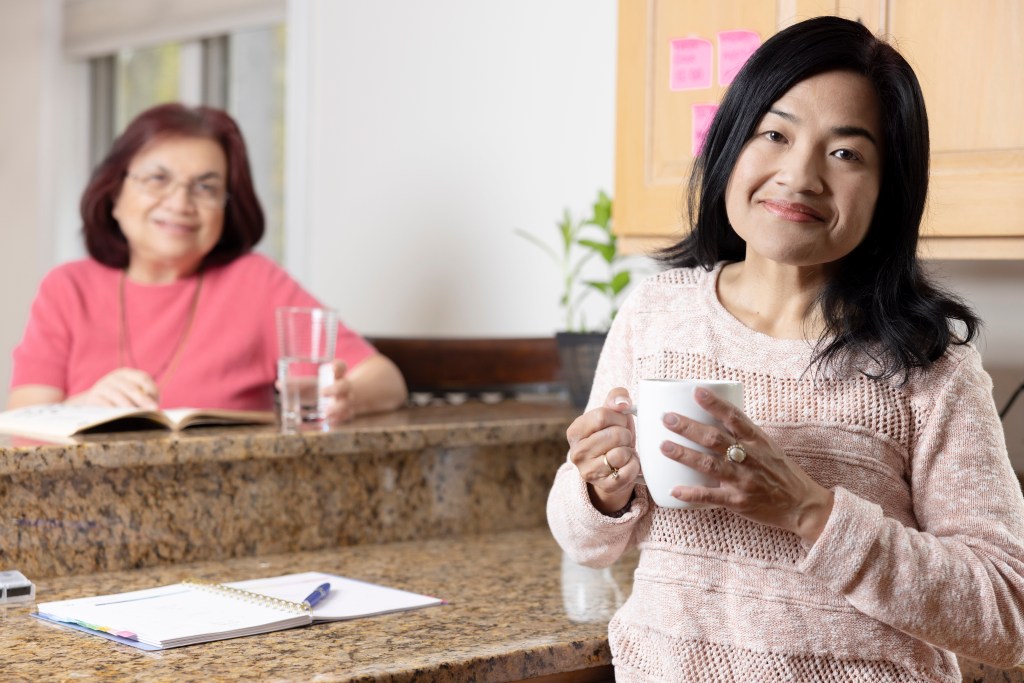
[508,617]
[133,500]
[517,608]
[470,424]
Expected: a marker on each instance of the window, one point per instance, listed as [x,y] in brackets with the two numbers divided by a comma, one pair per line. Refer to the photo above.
[256,98]
[142,78]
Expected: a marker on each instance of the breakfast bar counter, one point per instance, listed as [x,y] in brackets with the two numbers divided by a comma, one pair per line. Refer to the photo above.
[129,500]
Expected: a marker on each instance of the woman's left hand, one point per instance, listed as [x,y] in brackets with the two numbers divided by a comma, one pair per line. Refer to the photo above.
[766,487]
[342,406]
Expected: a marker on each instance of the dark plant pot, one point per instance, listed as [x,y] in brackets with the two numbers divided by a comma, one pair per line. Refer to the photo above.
[578,353]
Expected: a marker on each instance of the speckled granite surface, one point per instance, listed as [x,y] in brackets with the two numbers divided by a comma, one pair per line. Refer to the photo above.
[515,611]
[143,499]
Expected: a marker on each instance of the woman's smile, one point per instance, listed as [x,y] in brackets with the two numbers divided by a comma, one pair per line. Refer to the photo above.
[172,226]
[792,211]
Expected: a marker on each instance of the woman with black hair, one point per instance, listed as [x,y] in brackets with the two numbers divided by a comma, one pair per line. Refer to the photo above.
[875,526]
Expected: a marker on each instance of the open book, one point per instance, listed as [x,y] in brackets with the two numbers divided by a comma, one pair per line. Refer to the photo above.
[191,612]
[60,420]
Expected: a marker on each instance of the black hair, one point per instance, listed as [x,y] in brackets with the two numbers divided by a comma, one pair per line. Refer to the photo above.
[879,301]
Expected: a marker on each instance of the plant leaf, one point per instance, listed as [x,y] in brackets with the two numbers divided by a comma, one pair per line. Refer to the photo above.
[538,242]
[620,281]
[568,230]
[607,251]
[602,287]
[602,210]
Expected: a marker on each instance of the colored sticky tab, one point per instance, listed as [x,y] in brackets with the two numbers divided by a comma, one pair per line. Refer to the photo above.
[691,64]
[702,116]
[734,48]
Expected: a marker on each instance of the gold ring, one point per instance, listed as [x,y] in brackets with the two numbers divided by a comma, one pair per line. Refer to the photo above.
[614,471]
[735,453]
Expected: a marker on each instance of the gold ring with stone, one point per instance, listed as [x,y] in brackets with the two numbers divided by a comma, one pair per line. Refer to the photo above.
[614,470]
[735,453]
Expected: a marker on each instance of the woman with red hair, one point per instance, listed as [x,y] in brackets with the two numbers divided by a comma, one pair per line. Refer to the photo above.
[173,308]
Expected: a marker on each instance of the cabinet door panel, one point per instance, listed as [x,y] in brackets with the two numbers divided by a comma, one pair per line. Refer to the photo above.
[871,13]
[969,57]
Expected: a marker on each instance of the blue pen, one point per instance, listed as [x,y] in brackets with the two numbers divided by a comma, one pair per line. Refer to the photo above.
[316,596]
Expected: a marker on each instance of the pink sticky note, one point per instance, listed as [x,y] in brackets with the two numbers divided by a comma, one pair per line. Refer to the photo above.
[734,47]
[702,115]
[691,64]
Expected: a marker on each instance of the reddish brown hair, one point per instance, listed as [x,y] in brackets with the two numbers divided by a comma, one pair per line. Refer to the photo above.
[243,215]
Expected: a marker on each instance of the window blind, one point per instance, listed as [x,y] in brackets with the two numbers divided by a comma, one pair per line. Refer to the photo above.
[101,27]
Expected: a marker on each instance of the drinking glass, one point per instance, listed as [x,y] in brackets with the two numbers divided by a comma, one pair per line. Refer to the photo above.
[306,338]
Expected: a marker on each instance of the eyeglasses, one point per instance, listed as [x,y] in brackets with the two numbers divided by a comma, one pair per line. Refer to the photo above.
[160,185]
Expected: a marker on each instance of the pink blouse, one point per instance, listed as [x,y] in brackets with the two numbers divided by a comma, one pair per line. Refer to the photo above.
[228,360]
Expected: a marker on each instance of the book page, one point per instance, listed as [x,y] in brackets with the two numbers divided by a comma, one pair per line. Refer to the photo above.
[59,419]
[182,418]
[348,598]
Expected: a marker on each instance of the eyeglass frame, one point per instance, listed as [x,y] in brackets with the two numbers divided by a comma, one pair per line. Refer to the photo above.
[172,186]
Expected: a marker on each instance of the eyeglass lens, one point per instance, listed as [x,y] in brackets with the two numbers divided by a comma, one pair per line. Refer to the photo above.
[206,191]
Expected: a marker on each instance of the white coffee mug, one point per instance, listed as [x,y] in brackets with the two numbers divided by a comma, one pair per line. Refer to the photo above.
[655,397]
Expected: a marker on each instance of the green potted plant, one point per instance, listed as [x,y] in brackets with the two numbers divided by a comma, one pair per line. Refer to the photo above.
[580,241]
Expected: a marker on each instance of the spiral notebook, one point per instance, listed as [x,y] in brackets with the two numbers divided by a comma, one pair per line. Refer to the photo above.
[195,612]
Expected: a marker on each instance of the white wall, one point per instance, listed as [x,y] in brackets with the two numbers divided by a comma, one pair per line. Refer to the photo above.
[437,128]
[21,31]
[43,160]
[434,129]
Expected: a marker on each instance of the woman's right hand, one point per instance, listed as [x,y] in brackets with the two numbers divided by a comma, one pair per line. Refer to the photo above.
[123,387]
[602,445]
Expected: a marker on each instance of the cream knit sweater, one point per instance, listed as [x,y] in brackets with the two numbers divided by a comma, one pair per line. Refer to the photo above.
[922,557]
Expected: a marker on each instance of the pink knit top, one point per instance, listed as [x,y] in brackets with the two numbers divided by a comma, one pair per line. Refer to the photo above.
[229,359]
[922,557]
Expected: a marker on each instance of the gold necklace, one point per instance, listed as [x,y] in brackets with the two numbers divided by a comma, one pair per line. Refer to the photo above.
[124,347]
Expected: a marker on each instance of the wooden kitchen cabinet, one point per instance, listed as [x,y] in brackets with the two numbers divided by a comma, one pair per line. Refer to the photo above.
[969,57]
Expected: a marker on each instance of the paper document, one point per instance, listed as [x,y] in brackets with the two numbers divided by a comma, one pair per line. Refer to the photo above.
[348,598]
